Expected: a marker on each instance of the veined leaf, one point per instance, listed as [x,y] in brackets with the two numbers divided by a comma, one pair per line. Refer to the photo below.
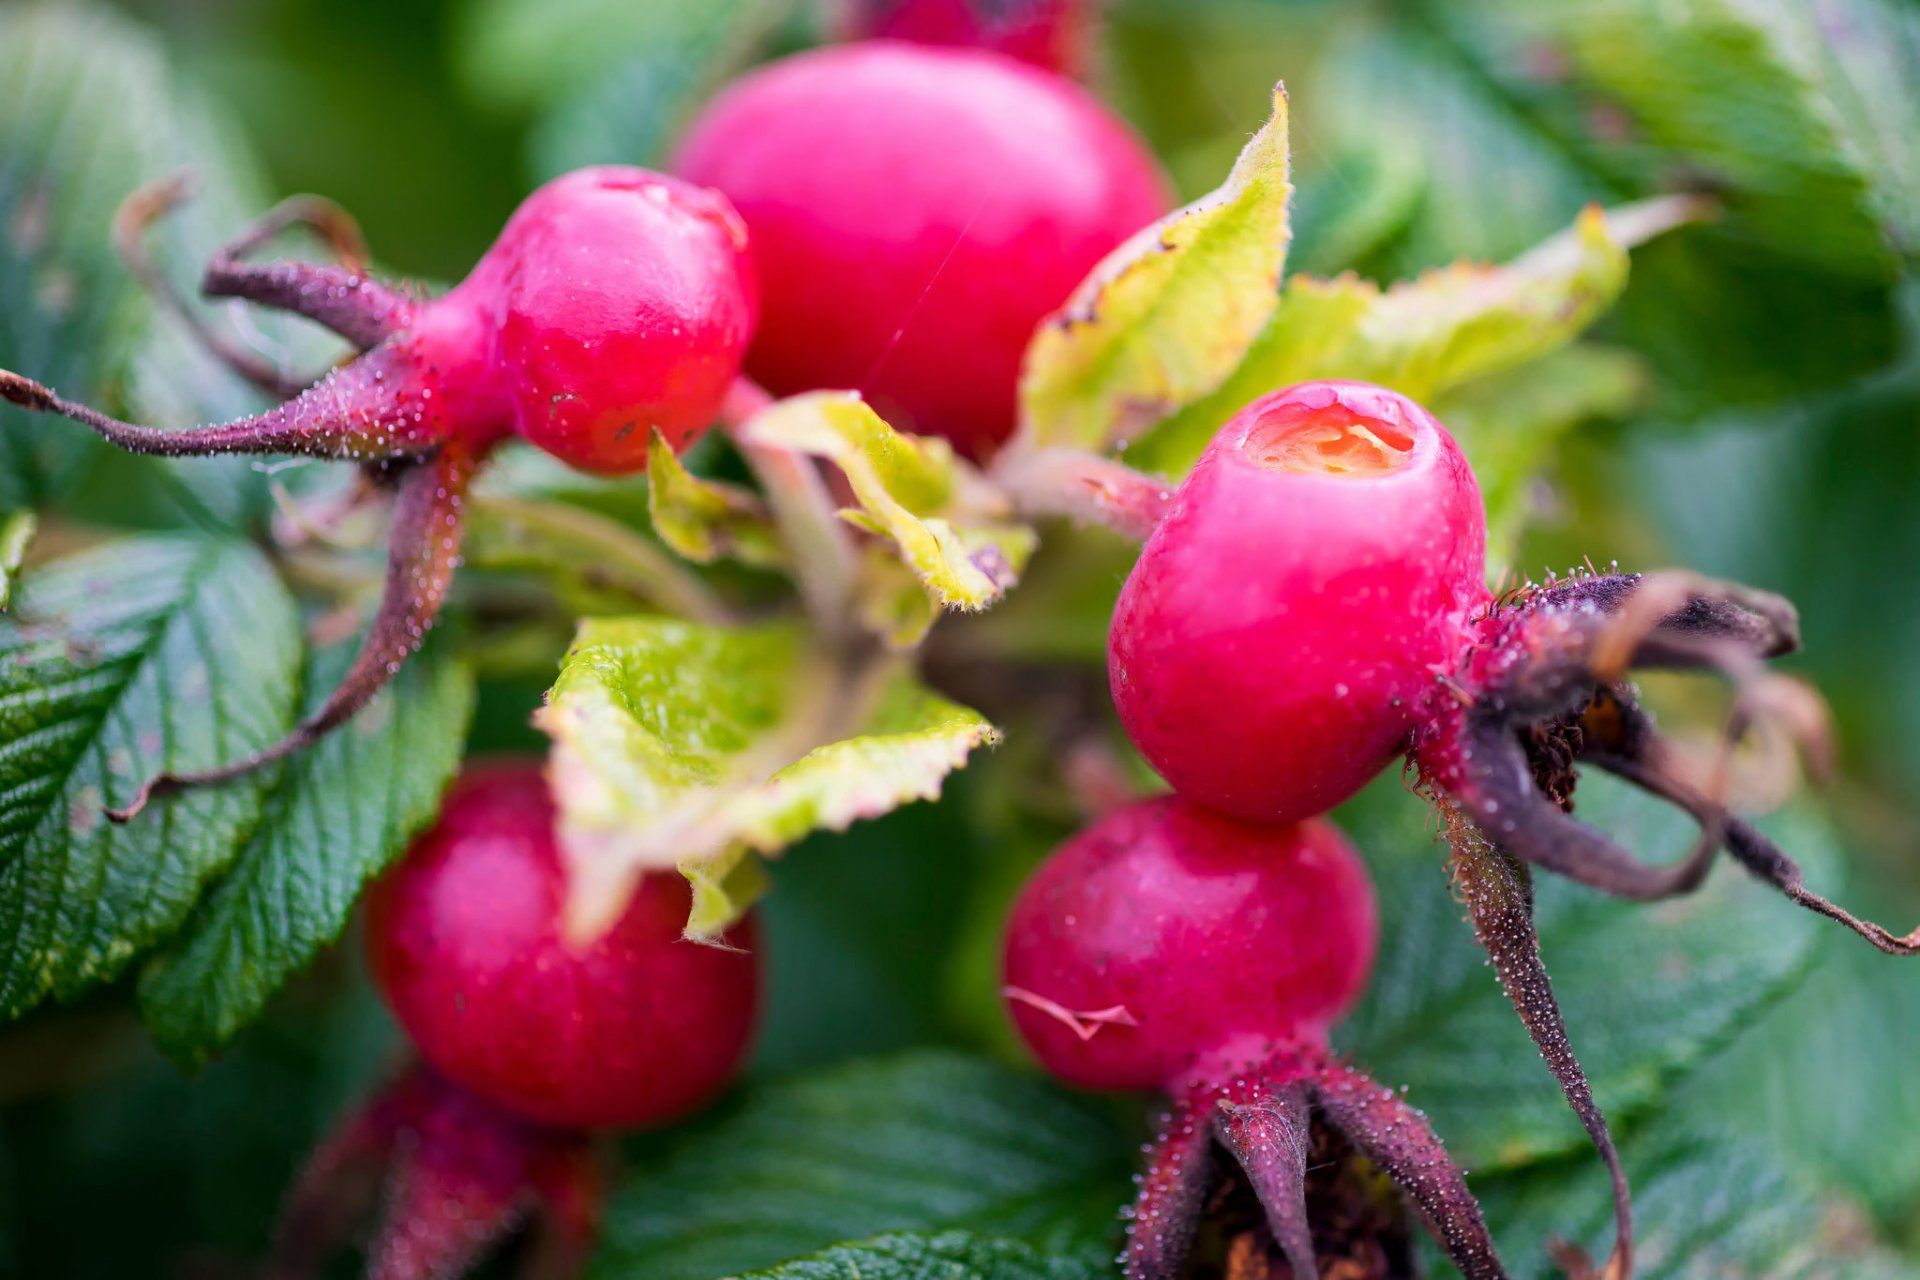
[925,1141]
[678,745]
[1707,1202]
[338,814]
[948,528]
[150,654]
[956,1254]
[1425,336]
[704,520]
[1168,314]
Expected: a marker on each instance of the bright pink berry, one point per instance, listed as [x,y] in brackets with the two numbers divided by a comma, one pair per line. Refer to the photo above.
[916,212]
[623,304]
[637,1028]
[1285,623]
[1167,945]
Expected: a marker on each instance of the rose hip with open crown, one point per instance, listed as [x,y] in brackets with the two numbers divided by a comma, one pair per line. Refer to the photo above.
[1277,638]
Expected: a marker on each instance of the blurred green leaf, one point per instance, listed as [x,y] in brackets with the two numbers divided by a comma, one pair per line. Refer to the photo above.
[678,745]
[1426,336]
[339,813]
[90,111]
[923,1142]
[1649,992]
[1524,112]
[610,82]
[85,109]
[1706,1203]
[16,535]
[1512,425]
[1168,314]
[148,654]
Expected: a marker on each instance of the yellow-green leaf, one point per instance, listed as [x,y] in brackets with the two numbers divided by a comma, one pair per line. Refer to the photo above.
[1427,335]
[704,520]
[16,534]
[947,526]
[694,747]
[1168,314]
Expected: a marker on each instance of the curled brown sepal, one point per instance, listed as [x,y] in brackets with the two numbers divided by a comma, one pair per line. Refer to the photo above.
[450,1176]
[423,551]
[1499,898]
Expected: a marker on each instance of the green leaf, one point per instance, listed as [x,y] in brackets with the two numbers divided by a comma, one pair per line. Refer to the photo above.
[84,113]
[948,528]
[1648,991]
[1706,1203]
[339,813]
[1426,336]
[16,535]
[516,54]
[630,111]
[1512,424]
[705,520]
[1725,87]
[88,113]
[1168,314]
[1867,55]
[154,653]
[951,1255]
[923,1142]
[677,745]
[1526,112]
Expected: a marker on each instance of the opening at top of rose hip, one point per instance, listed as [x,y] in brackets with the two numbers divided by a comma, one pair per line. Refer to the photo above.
[1328,440]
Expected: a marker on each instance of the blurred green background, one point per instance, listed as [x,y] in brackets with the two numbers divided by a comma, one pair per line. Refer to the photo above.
[1777,441]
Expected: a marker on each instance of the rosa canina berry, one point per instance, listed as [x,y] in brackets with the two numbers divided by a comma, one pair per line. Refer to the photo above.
[615,303]
[915,213]
[636,1028]
[1171,948]
[1209,941]
[1282,629]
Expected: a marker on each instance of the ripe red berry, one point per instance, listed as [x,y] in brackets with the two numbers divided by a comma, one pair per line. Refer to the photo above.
[1282,629]
[916,212]
[637,1028]
[1168,945]
[623,304]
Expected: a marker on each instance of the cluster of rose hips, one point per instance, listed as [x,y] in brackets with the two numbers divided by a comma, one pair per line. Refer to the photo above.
[897,219]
